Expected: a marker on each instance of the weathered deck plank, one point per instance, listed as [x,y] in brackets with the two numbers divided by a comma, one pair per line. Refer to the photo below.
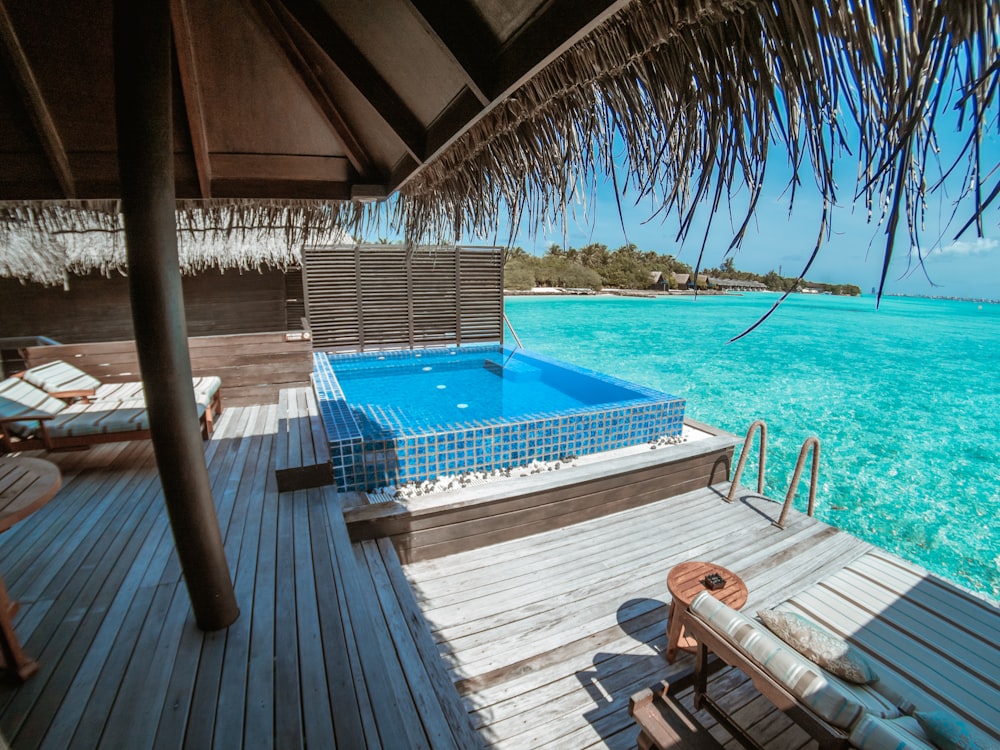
[302,455]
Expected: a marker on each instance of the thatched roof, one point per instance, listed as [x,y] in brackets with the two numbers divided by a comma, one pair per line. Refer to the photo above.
[45,243]
[698,95]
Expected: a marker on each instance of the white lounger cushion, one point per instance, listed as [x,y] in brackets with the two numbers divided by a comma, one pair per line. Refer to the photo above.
[21,399]
[18,399]
[902,733]
[80,420]
[59,376]
[835,700]
[205,389]
[98,418]
[102,418]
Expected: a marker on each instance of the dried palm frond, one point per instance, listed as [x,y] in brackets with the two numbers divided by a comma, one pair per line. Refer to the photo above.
[702,93]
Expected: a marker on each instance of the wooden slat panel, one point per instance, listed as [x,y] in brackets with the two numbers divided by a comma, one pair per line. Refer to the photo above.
[481,295]
[373,297]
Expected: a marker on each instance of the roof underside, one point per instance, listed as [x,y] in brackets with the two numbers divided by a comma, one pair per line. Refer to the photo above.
[287,99]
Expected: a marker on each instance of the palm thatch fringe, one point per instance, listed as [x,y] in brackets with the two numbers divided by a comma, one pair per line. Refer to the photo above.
[698,93]
[45,242]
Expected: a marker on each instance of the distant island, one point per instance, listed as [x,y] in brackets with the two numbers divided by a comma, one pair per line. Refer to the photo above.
[596,268]
[980,300]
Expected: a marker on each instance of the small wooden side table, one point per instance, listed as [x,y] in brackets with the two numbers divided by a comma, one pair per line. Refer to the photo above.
[26,484]
[685,581]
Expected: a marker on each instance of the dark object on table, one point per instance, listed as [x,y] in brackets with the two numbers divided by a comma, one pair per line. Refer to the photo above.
[714,581]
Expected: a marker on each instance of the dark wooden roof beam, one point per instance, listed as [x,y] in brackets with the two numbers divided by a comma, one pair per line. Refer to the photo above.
[277,20]
[184,47]
[541,39]
[466,39]
[367,193]
[34,102]
[403,169]
[545,36]
[271,175]
[355,67]
[463,109]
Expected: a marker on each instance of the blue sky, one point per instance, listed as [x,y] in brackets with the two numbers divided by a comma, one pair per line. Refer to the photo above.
[969,267]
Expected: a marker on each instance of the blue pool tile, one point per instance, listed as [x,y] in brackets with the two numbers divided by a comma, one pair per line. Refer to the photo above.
[374,444]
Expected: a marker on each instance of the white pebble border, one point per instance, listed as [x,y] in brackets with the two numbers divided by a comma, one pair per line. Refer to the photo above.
[457,481]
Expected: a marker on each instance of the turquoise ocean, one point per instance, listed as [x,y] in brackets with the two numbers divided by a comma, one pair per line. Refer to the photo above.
[904,398]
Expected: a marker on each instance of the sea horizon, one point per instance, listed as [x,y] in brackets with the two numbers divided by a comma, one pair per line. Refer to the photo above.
[902,398]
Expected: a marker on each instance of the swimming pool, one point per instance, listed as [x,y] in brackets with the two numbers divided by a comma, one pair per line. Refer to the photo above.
[406,416]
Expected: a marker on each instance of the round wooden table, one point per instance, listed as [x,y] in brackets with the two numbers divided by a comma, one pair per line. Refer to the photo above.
[26,484]
[685,581]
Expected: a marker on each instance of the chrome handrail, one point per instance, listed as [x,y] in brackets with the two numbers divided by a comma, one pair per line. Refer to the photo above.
[512,332]
[813,443]
[743,459]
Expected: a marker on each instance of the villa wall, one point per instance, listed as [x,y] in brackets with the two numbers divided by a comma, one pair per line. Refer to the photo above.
[96,308]
[254,367]
[237,324]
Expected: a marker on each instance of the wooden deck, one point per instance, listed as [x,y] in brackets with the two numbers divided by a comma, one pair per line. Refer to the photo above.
[317,657]
[532,642]
[548,636]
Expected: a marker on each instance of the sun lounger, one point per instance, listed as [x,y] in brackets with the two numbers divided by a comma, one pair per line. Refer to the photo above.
[836,711]
[67,382]
[31,419]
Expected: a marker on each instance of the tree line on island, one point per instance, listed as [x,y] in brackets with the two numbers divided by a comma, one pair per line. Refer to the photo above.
[596,267]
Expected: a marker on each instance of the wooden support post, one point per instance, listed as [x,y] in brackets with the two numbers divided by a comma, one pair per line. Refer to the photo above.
[142,46]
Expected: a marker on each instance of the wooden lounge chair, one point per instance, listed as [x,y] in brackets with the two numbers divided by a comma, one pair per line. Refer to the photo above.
[32,419]
[836,713]
[67,382]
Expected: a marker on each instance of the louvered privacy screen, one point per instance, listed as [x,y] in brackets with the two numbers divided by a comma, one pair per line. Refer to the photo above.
[364,297]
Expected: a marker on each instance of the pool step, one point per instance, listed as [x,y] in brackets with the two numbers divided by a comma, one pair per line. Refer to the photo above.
[514,370]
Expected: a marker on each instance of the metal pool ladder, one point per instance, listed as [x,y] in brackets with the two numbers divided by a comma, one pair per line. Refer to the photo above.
[811,444]
[757,424]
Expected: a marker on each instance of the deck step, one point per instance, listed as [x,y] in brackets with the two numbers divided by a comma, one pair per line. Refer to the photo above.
[303,453]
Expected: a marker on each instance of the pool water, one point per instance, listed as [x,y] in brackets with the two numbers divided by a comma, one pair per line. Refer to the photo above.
[452,387]
[397,417]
